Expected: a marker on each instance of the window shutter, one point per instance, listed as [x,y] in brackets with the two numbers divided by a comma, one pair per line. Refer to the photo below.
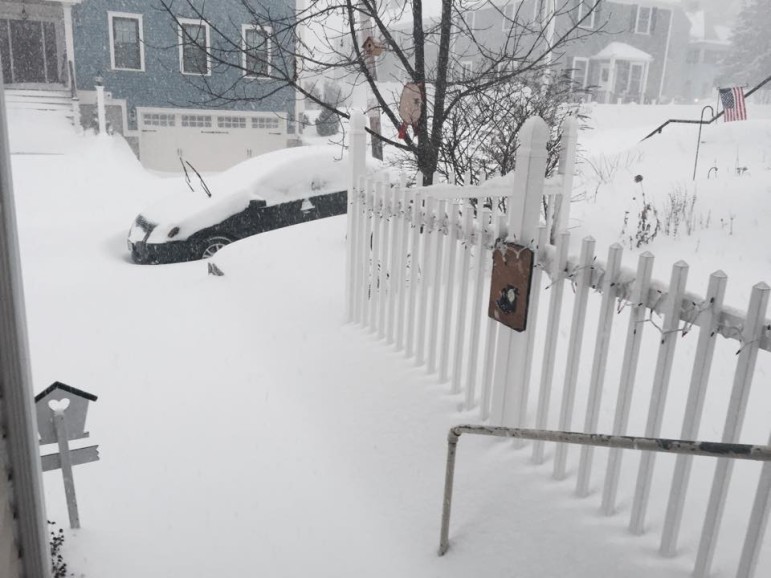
[654,14]
[633,23]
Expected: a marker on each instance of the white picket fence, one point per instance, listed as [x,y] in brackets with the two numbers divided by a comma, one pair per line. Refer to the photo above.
[418,275]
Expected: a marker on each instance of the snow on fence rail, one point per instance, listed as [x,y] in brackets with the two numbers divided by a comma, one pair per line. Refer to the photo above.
[417,274]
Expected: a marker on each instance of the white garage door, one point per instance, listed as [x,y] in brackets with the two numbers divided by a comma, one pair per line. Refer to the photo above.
[209,140]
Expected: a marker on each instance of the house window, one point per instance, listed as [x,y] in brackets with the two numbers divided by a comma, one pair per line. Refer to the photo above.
[158,119]
[126,48]
[257,50]
[636,79]
[587,9]
[466,69]
[265,122]
[231,122]
[643,21]
[510,12]
[579,72]
[505,69]
[194,47]
[196,121]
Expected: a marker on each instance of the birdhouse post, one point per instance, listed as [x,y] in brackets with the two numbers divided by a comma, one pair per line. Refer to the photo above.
[61,417]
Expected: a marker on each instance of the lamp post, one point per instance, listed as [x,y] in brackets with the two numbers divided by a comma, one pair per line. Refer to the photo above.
[100,109]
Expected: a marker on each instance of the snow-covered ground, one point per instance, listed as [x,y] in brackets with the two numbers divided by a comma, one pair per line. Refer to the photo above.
[245,430]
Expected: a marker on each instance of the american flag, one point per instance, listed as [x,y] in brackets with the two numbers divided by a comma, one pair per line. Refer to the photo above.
[733,103]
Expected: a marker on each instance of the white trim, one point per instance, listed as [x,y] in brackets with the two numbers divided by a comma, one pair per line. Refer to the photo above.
[127,16]
[180,37]
[666,53]
[641,65]
[591,22]
[586,69]
[637,20]
[268,31]
[466,69]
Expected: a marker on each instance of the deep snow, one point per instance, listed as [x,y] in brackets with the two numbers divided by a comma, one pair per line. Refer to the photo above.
[246,431]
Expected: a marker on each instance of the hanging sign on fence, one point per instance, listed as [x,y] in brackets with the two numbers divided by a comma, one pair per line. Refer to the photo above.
[510,285]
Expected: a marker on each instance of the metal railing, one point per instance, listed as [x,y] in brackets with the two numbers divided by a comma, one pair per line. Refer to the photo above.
[700,122]
[692,448]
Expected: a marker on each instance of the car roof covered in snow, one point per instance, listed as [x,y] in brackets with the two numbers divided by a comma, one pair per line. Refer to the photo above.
[276,177]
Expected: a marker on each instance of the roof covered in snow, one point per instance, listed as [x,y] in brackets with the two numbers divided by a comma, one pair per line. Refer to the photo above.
[622,51]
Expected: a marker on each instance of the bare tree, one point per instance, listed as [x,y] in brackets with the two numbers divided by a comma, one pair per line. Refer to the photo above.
[472,53]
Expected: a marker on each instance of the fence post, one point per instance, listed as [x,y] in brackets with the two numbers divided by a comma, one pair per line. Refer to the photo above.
[511,368]
[357,167]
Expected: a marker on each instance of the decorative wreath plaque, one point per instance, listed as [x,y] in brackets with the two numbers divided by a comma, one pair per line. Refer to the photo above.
[510,286]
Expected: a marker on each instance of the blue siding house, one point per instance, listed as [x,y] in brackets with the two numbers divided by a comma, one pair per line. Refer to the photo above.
[157,78]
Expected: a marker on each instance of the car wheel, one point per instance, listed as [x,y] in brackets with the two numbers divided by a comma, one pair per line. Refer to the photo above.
[212,245]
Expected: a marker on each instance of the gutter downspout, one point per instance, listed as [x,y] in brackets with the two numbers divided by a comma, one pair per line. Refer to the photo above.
[17,410]
[666,54]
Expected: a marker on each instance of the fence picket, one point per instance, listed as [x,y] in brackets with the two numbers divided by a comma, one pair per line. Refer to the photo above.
[583,280]
[385,260]
[476,306]
[428,258]
[404,243]
[417,223]
[670,333]
[599,364]
[696,393]
[460,331]
[362,252]
[737,407]
[535,298]
[499,228]
[376,265]
[757,526]
[366,264]
[639,300]
[552,331]
[396,262]
[452,240]
[436,280]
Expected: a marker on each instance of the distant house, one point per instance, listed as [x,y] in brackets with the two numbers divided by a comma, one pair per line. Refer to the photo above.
[709,43]
[153,74]
[638,56]
[631,50]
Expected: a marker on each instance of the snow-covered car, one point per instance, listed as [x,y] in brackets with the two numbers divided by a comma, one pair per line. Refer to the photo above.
[268,192]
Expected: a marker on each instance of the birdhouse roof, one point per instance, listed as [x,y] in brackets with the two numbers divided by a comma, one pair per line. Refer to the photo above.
[64,387]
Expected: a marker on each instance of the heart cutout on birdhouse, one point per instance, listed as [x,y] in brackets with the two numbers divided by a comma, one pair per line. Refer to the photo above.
[59,404]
